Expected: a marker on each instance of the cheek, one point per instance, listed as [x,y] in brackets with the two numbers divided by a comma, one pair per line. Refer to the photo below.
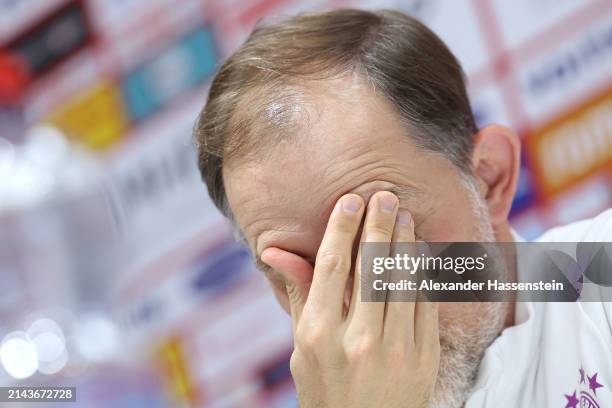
[451,228]
[450,311]
[463,313]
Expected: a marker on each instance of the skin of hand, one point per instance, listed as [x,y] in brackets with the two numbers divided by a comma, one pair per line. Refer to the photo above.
[369,354]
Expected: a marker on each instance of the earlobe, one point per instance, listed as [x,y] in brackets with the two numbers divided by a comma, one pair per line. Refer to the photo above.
[496,162]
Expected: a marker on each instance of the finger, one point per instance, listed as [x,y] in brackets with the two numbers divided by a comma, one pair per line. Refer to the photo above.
[426,326]
[399,311]
[334,258]
[378,228]
[296,273]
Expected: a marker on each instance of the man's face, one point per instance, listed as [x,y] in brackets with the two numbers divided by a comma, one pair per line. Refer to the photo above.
[354,142]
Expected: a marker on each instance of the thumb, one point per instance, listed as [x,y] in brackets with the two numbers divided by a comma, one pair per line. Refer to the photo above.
[297,273]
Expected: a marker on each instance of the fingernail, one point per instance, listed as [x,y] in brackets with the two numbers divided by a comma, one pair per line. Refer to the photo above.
[387,202]
[404,218]
[351,204]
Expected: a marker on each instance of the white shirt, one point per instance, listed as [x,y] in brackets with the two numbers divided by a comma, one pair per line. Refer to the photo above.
[557,354]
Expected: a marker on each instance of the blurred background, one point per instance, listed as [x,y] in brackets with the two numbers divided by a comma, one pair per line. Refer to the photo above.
[119,277]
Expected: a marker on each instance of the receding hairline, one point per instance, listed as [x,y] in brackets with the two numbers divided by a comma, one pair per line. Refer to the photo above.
[288,109]
[408,64]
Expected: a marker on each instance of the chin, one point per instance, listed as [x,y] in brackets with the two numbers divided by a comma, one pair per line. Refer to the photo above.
[463,341]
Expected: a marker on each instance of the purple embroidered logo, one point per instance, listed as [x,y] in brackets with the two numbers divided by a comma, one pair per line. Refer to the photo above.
[585,395]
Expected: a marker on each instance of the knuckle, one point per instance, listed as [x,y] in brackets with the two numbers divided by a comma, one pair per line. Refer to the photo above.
[359,350]
[296,363]
[379,229]
[309,338]
[330,263]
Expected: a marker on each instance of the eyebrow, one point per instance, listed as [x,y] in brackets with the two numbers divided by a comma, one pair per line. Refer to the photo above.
[241,239]
[407,193]
[262,266]
[403,193]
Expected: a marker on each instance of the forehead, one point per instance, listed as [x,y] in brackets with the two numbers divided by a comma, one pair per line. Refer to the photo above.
[354,141]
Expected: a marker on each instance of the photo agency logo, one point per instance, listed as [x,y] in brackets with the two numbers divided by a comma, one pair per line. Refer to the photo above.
[479,271]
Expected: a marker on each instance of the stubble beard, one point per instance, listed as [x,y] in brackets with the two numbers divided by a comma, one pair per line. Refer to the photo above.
[463,342]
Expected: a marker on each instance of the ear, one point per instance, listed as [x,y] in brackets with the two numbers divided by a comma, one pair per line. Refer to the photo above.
[496,164]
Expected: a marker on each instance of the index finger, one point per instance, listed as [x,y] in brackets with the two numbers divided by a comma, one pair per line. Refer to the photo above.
[334,259]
